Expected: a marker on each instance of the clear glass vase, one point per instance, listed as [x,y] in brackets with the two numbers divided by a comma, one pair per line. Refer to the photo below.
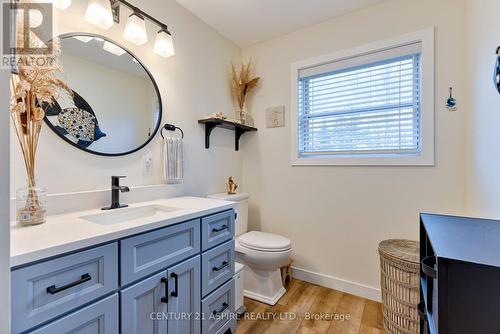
[242,114]
[31,205]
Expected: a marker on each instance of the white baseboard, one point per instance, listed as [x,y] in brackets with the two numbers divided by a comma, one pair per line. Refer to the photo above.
[339,284]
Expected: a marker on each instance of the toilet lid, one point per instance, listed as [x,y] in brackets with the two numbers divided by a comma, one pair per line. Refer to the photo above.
[265,241]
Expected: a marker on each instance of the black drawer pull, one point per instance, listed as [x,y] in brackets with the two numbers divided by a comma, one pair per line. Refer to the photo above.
[222,228]
[84,278]
[222,266]
[224,307]
[175,293]
[164,299]
[428,266]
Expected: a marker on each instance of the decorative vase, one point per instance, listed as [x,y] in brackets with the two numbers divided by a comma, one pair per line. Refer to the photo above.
[243,115]
[31,205]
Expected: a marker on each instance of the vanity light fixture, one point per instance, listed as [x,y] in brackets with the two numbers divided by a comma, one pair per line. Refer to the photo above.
[61,4]
[113,48]
[103,13]
[135,30]
[164,45]
[99,13]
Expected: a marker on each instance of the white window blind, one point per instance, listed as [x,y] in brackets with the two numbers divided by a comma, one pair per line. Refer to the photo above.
[368,104]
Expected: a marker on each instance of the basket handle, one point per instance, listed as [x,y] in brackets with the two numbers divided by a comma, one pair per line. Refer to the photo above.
[428,266]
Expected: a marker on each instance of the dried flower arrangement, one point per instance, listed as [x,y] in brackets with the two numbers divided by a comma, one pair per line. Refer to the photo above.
[242,84]
[33,88]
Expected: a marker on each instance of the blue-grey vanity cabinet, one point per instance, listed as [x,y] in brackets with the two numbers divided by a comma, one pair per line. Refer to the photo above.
[150,252]
[184,301]
[217,267]
[216,229]
[167,302]
[46,290]
[140,302]
[98,318]
[162,281]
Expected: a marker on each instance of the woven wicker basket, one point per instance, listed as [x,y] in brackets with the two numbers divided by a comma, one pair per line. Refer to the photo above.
[399,267]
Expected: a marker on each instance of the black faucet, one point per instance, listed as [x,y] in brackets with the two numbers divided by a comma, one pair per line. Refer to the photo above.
[115,193]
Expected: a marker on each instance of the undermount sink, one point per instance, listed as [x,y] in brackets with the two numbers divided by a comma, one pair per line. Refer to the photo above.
[128,214]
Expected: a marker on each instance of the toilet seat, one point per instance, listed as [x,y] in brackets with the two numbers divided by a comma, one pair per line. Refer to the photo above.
[264,242]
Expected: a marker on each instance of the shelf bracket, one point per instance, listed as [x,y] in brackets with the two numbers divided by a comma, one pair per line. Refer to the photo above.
[238,133]
[208,130]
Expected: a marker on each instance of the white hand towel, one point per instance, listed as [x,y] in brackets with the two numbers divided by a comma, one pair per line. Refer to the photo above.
[173,155]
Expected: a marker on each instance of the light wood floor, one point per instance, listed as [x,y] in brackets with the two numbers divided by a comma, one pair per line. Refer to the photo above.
[303,299]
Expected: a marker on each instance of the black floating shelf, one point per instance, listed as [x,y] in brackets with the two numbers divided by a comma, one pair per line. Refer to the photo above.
[212,123]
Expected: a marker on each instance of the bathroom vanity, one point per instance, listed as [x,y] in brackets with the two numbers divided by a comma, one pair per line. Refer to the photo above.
[156,267]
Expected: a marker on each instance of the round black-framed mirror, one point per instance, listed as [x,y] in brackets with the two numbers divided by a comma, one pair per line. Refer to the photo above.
[116,106]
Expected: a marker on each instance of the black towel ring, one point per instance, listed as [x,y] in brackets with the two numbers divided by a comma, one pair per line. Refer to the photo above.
[171,127]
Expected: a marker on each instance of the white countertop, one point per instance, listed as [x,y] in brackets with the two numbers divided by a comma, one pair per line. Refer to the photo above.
[68,232]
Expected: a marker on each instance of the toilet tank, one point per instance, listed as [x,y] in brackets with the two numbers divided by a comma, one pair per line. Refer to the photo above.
[241,209]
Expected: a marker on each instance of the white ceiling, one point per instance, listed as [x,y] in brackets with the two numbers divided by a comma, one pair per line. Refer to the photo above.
[246,22]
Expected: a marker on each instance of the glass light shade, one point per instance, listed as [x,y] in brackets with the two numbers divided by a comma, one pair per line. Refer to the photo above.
[135,30]
[84,39]
[35,18]
[61,4]
[112,48]
[99,13]
[164,45]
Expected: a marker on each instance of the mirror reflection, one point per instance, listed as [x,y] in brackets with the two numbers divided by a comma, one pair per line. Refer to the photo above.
[115,108]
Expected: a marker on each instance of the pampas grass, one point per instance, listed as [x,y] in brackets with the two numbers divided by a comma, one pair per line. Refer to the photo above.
[33,88]
[242,83]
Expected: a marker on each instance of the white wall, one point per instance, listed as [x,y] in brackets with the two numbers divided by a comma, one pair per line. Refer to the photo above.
[121,101]
[193,84]
[483,182]
[4,204]
[336,216]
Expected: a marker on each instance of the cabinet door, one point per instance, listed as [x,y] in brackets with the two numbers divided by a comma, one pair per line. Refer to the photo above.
[184,297]
[143,307]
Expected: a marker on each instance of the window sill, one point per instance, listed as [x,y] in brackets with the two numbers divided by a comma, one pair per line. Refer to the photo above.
[368,160]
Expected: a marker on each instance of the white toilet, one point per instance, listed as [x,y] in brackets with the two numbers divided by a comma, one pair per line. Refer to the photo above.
[263,254]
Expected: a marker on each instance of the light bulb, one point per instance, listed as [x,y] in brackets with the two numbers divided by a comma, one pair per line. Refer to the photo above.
[99,13]
[113,48]
[35,18]
[164,45]
[61,4]
[135,30]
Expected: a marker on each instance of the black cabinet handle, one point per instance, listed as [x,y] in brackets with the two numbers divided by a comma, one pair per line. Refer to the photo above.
[428,266]
[236,215]
[164,299]
[222,228]
[222,266]
[175,293]
[224,307]
[84,278]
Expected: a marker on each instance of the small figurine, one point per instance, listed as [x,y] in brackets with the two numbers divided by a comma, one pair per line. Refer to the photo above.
[220,115]
[231,186]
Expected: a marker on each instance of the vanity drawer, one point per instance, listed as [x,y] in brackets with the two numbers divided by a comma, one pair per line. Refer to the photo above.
[217,267]
[218,308]
[231,324]
[216,229]
[153,251]
[98,318]
[49,289]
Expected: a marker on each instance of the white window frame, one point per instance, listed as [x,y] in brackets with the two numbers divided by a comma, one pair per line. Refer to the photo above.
[425,157]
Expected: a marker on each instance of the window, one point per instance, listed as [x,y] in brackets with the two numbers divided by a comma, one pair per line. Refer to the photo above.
[364,109]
